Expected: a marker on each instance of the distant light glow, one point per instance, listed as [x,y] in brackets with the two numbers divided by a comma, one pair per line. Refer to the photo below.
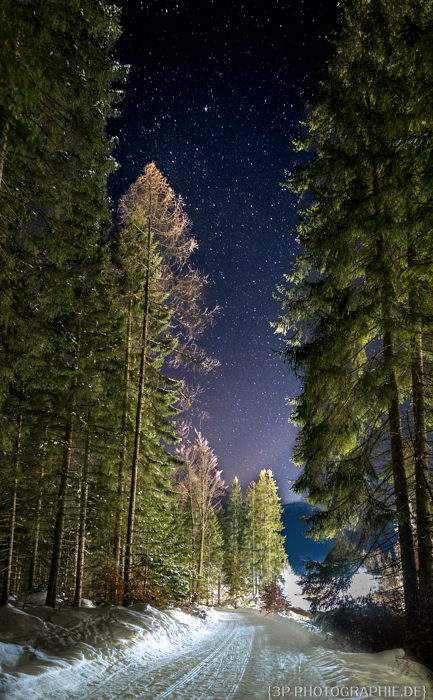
[362,584]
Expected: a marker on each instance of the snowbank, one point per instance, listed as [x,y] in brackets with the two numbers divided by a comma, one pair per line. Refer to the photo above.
[41,640]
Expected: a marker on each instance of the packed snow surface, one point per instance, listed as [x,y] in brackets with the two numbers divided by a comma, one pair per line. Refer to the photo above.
[138,652]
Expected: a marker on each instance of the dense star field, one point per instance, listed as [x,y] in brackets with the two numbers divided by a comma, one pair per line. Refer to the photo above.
[213,98]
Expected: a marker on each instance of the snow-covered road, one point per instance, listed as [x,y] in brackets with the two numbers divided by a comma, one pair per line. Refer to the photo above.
[245,656]
[212,669]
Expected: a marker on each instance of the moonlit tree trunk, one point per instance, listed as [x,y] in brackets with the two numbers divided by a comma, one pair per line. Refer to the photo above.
[60,517]
[83,521]
[254,562]
[122,463]
[32,571]
[422,489]
[12,515]
[401,494]
[137,437]
[146,567]
[201,553]
[191,504]
[253,538]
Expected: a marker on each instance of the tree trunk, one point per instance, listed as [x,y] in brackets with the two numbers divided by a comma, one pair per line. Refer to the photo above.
[136,455]
[83,521]
[60,518]
[254,562]
[401,494]
[201,553]
[3,148]
[146,568]
[12,517]
[17,574]
[203,524]
[122,561]
[422,490]
[77,541]
[254,539]
[192,520]
[122,463]
[33,560]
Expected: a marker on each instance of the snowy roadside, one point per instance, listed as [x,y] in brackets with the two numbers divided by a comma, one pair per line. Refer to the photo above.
[42,641]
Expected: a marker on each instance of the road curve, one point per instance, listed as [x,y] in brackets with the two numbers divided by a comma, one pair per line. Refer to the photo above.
[254,657]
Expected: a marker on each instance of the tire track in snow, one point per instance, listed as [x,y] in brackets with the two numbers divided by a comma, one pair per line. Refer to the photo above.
[196,670]
[241,672]
[218,676]
[127,684]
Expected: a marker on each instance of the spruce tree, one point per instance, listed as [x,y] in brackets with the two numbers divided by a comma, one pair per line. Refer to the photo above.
[250,554]
[54,162]
[263,546]
[352,341]
[235,572]
[272,556]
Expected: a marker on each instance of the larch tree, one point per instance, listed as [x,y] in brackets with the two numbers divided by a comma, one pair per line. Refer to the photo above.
[155,245]
[200,488]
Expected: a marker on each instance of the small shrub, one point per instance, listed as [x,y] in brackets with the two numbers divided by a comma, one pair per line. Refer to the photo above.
[273,598]
[113,584]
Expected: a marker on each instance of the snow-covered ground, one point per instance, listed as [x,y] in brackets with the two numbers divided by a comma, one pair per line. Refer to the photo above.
[117,653]
[42,641]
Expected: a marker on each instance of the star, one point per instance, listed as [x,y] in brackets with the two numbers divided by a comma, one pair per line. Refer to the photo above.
[227,168]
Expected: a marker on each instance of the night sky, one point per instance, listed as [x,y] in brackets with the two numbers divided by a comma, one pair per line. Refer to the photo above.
[213,98]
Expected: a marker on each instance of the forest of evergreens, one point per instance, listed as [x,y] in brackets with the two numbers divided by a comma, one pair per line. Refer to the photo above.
[96,309]
[357,311]
[95,313]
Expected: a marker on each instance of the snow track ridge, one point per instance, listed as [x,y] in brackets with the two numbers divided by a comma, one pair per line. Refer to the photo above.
[196,670]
